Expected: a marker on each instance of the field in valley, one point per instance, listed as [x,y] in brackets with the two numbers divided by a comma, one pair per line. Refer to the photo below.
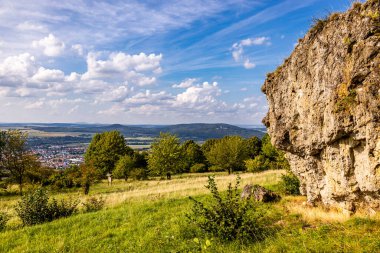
[149,216]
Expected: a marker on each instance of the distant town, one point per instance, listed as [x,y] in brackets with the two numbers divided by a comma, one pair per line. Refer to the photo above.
[60,156]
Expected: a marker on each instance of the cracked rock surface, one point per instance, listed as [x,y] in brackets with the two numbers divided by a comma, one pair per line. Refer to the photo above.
[324,109]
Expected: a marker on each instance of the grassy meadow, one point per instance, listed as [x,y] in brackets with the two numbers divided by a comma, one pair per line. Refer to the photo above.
[149,216]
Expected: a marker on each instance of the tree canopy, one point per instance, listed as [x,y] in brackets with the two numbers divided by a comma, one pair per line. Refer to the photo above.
[166,156]
[228,153]
[16,160]
[105,150]
[192,154]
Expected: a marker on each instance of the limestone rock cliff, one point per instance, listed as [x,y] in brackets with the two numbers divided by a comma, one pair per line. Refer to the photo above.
[324,109]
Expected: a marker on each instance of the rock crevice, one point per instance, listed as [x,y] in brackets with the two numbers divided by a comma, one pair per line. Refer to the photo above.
[324,109]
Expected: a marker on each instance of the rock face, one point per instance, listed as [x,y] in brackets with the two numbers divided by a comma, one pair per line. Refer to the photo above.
[324,109]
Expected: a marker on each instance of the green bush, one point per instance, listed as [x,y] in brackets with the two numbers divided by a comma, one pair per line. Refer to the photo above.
[215,168]
[290,184]
[34,208]
[63,208]
[259,163]
[229,217]
[138,174]
[3,220]
[93,204]
[198,168]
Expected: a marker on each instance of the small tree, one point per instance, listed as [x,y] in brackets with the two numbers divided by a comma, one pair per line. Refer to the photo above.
[16,159]
[227,153]
[192,154]
[124,167]
[89,175]
[252,146]
[166,156]
[105,150]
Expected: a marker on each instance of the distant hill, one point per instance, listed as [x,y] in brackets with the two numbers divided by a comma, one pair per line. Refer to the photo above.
[196,131]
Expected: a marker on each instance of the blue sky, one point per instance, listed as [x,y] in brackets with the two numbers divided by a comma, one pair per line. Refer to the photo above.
[146,62]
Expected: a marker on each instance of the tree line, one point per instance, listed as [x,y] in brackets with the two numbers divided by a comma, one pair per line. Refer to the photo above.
[109,154]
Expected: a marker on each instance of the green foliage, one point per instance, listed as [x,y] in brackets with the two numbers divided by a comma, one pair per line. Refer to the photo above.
[208,144]
[290,184]
[69,178]
[192,153]
[346,102]
[34,208]
[15,159]
[134,167]
[252,146]
[93,204]
[124,167]
[105,150]
[62,208]
[228,153]
[139,174]
[88,176]
[269,158]
[142,225]
[198,168]
[229,217]
[268,150]
[259,163]
[39,175]
[166,156]
[3,220]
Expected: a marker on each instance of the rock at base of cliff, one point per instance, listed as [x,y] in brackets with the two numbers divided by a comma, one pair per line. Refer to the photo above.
[259,193]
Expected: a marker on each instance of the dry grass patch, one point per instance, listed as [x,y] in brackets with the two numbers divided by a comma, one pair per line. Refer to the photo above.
[189,186]
[320,214]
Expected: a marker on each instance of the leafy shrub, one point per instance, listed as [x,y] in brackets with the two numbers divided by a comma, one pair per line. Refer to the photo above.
[198,168]
[3,220]
[138,174]
[93,204]
[34,208]
[259,163]
[63,208]
[229,217]
[290,184]
[215,168]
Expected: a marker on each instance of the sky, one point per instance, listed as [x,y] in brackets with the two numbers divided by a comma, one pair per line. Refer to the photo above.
[146,61]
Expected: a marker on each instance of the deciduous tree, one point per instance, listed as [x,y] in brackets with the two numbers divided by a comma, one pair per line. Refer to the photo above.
[105,150]
[166,156]
[228,153]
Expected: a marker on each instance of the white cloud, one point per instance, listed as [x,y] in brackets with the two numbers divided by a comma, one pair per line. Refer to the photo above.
[35,105]
[78,48]
[137,69]
[49,75]
[255,41]
[185,84]
[20,66]
[148,97]
[115,95]
[248,64]
[238,50]
[199,95]
[73,109]
[30,26]
[51,45]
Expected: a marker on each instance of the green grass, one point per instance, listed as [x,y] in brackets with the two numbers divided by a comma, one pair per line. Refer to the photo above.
[157,223]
